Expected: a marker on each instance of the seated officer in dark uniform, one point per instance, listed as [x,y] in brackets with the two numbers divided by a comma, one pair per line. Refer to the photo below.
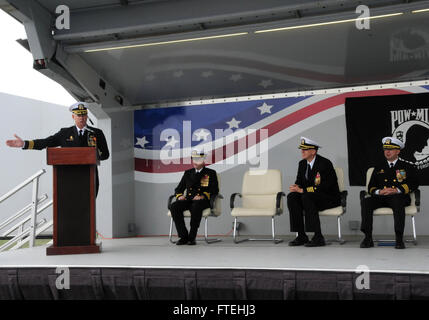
[390,186]
[200,184]
[315,189]
[79,135]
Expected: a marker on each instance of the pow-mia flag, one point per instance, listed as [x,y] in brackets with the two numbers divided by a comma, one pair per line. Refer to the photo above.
[369,119]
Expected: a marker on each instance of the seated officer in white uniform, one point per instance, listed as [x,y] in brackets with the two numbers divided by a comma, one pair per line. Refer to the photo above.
[200,184]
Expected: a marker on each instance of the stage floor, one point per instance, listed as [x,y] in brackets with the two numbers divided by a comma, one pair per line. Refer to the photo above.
[158,252]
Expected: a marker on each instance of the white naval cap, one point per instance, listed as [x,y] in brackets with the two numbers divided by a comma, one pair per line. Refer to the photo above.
[79,108]
[390,143]
[198,154]
[307,144]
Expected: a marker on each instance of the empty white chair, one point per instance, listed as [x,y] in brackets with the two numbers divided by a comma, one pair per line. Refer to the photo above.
[261,196]
[410,210]
[215,210]
[339,211]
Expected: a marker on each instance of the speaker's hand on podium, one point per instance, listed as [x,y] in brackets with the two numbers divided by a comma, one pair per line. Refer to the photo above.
[17,143]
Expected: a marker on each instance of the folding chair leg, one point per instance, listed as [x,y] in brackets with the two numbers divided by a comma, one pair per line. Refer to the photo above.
[234,233]
[236,240]
[340,238]
[274,233]
[413,240]
[208,240]
[170,235]
[414,230]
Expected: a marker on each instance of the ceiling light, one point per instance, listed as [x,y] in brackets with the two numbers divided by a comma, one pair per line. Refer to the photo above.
[421,10]
[327,23]
[168,42]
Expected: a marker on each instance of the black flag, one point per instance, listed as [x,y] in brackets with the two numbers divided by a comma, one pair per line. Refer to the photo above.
[369,119]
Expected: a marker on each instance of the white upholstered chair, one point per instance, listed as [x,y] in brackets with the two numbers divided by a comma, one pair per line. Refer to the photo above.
[261,196]
[339,211]
[410,211]
[215,210]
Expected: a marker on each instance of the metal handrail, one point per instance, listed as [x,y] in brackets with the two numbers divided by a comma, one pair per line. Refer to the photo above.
[22,185]
[21,212]
[16,226]
[25,233]
[41,226]
[35,226]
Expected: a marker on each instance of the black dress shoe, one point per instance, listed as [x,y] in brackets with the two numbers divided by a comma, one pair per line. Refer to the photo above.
[192,242]
[399,244]
[181,242]
[298,242]
[316,242]
[367,243]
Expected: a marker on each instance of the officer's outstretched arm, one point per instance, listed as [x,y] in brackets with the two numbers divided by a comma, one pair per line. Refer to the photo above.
[16,143]
[39,144]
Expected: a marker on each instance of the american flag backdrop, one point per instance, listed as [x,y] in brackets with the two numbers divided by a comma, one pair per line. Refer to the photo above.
[179,130]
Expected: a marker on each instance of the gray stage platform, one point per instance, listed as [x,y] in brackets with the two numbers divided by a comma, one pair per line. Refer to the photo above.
[150,268]
[157,252]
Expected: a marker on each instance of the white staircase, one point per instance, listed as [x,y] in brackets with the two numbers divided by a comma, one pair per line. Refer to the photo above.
[28,227]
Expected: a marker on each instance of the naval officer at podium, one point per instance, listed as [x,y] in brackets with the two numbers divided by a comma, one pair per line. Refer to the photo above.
[79,135]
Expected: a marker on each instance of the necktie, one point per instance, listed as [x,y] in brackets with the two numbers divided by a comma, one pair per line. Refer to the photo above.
[307,172]
[82,142]
[391,165]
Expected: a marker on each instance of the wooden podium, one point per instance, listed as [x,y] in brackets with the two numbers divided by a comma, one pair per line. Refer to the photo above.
[73,200]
